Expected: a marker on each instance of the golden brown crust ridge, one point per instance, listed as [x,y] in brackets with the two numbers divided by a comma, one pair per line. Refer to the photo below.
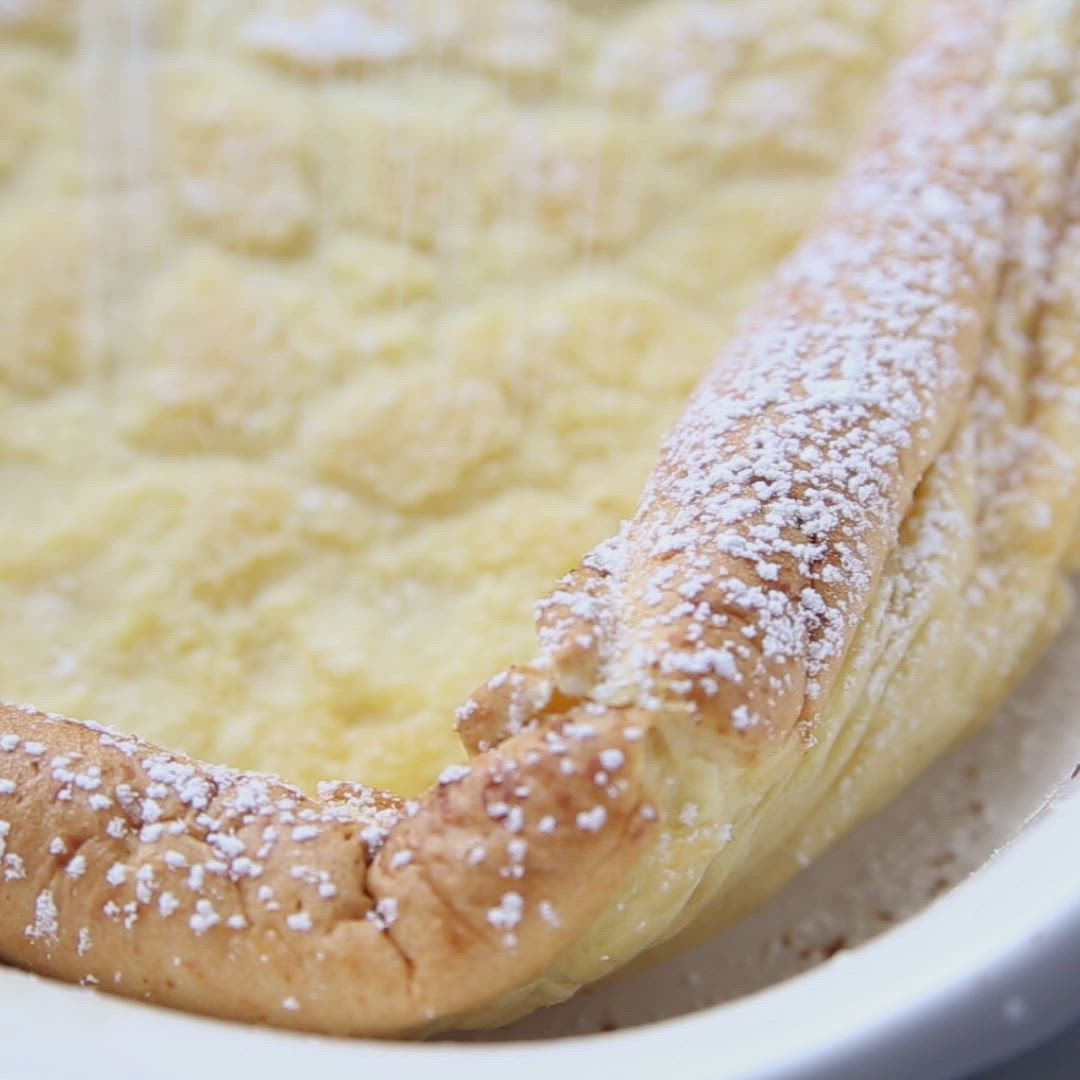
[734,591]
[152,876]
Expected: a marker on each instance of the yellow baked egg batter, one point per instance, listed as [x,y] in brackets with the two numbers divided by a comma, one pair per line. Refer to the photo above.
[331,333]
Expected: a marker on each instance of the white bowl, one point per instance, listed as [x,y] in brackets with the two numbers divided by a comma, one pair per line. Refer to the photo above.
[985,969]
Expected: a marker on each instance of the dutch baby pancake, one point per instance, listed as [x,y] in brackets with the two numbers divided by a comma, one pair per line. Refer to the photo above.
[252,505]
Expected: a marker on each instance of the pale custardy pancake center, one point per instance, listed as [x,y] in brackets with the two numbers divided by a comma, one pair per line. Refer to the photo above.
[331,333]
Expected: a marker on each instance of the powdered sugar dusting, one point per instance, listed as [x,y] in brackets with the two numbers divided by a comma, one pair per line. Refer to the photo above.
[767,521]
[46,924]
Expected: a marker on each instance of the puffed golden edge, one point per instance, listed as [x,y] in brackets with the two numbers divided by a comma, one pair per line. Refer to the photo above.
[354,936]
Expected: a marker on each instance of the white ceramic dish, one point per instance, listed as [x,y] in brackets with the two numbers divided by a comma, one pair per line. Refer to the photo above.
[961,980]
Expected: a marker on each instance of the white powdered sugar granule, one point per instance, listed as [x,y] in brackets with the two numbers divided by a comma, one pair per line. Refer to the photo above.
[76,867]
[246,867]
[374,837]
[509,912]
[579,731]
[612,759]
[46,923]
[174,860]
[592,820]
[384,914]
[300,921]
[204,918]
[452,774]
[515,819]
[226,845]
[116,875]
[742,718]
[466,712]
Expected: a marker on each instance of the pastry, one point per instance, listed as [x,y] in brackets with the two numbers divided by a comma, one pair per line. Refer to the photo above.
[853,542]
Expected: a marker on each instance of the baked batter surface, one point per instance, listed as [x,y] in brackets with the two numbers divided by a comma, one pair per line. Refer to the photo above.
[334,332]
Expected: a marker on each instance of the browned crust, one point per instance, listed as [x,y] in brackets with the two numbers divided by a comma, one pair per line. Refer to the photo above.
[79,802]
